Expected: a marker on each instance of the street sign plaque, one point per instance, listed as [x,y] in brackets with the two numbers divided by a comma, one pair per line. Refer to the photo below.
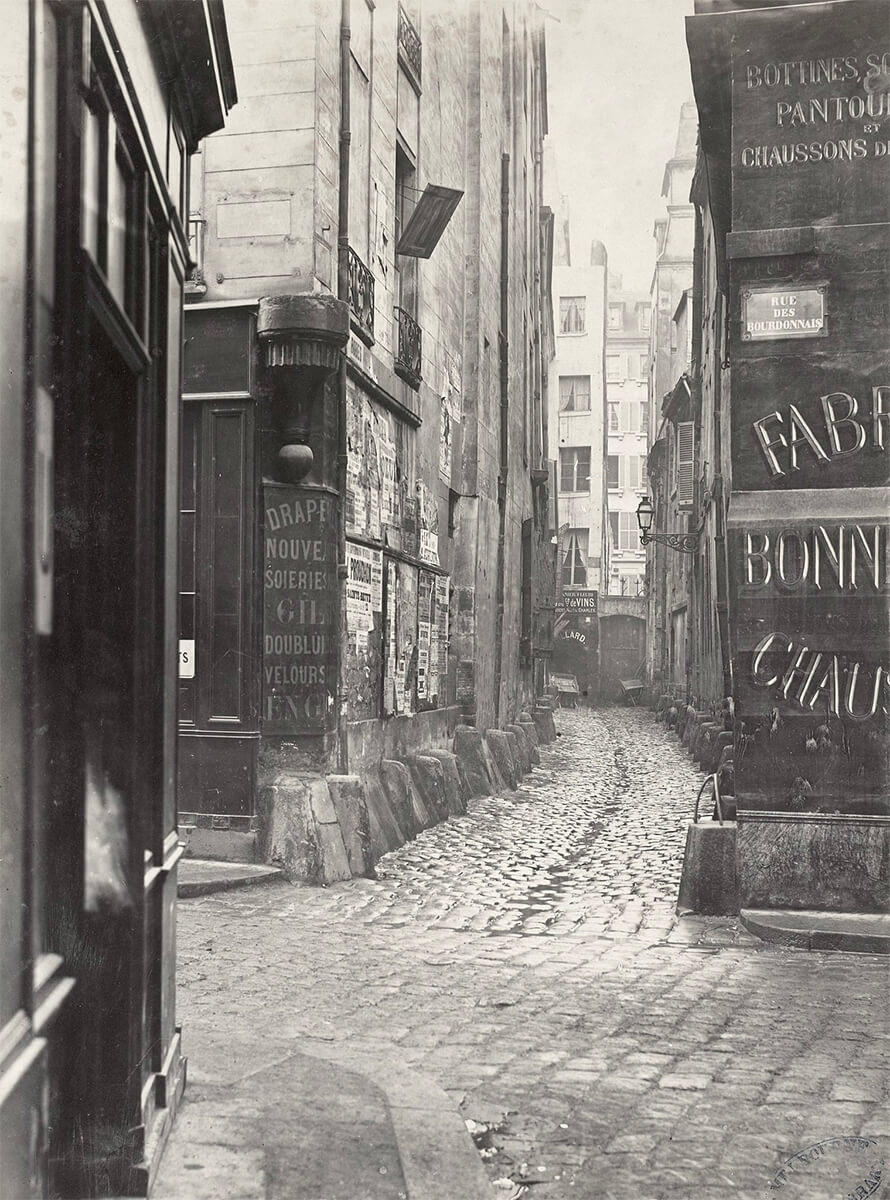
[783,313]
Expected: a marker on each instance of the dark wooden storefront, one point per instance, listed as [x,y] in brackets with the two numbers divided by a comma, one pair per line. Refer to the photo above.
[91,1066]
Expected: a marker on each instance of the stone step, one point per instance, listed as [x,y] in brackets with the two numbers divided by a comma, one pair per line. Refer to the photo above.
[858,933]
[201,876]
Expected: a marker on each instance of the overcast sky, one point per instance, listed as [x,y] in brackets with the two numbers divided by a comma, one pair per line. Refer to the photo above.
[617,74]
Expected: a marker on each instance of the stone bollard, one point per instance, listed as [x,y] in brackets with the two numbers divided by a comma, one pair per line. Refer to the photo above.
[350,805]
[524,750]
[544,723]
[301,833]
[429,779]
[502,752]
[531,735]
[455,795]
[474,762]
[409,808]
[385,827]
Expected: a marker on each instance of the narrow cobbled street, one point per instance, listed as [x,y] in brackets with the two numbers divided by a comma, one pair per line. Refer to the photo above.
[528,959]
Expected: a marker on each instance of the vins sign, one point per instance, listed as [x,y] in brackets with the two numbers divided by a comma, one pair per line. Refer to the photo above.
[581,600]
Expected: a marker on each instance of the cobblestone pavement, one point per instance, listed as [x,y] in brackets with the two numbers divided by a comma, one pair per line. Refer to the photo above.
[528,959]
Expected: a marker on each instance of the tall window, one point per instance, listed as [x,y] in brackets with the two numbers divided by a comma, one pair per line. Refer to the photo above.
[616,316]
[571,314]
[645,318]
[614,418]
[406,266]
[574,469]
[644,474]
[630,471]
[612,470]
[574,393]
[613,367]
[613,529]
[574,559]
[644,416]
[628,531]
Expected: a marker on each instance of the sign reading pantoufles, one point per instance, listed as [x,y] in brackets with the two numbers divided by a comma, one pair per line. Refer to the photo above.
[299,610]
[811,117]
[783,313]
[580,600]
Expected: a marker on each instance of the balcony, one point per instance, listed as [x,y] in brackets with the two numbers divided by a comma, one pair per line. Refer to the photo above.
[360,284]
[410,50]
[408,349]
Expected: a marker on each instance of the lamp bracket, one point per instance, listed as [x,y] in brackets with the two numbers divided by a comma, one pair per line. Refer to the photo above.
[686,543]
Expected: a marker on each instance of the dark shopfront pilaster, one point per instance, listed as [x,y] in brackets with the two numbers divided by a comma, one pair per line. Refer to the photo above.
[797,141]
[260,593]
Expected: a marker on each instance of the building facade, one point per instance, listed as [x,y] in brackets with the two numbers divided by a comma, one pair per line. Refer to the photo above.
[628,326]
[577,414]
[671,425]
[367,350]
[105,104]
[790,299]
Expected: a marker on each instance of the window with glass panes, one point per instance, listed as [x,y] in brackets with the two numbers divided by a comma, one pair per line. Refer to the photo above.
[574,393]
[574,469]
[613,528]
[614,418]
[613,367]
[571,314]
[612,470]
[628,531]
[574,559]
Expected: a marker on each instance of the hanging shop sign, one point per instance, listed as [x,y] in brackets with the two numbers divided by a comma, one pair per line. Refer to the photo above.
[580,600]
[788,313]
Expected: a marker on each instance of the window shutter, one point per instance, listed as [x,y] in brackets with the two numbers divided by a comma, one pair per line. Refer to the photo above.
[685,457]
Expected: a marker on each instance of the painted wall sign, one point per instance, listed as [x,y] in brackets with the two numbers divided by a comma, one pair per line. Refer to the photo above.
[579,600]
[838,428]
[299,610]
[811,109]
[786,313]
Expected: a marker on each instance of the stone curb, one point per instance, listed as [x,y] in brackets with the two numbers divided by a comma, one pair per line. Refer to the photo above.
[438,1157]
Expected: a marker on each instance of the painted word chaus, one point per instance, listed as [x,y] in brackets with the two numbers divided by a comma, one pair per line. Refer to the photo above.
[843,430]
[849,689]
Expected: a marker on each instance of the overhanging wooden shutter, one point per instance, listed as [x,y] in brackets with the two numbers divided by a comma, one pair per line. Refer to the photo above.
[685,458]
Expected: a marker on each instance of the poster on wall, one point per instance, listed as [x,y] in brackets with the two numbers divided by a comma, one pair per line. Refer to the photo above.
[364,592]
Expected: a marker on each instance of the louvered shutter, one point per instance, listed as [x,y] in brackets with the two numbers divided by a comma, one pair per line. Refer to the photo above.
[685,459]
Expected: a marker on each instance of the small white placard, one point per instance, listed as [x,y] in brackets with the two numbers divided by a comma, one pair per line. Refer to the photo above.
[186,659]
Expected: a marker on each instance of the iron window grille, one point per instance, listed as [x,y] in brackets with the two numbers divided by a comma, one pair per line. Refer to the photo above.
[409,359]
[360,290]
[410,47]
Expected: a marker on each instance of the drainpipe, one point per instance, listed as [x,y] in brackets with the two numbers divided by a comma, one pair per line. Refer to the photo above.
[720,539]
[503,347]
[342,294]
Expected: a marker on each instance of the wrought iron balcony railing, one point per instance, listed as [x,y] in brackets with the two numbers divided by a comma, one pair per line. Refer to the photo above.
[361,297]
[409,43]
[408,349]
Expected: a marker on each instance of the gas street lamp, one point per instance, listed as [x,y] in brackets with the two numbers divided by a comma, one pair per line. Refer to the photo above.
[686,543]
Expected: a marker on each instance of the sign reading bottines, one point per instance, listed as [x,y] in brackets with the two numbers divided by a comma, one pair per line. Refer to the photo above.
[299,610]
